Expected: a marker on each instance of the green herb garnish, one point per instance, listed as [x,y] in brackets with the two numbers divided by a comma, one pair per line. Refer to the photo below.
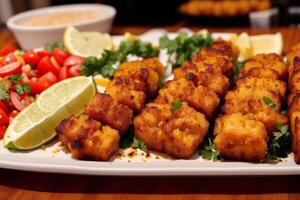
[104,66]
[279,144]
[183,47]
[161,83]
[176,105]
[270,103]
[127,139]
[22,88]
[15,78]
[50,46]
[209,152]
[238,68]
[4,92]
[139,144]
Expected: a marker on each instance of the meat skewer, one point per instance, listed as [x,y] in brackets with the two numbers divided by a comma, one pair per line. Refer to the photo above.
[177,122]
[252,109]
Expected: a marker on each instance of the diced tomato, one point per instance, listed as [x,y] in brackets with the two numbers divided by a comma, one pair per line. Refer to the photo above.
[31,57]
[19,102]
[11,68]
[55,64]
[13,114]
[9,58]
[74,70]
[34,86]
[60,55]
[64,73]
[26,69]
[46,81]
[8,48]
[74,60]
[2,131]
[3,106]
[43,53]
[45,66]
[3,118]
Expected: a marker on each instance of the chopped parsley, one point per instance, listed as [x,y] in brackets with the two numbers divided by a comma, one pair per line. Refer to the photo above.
[279,145]
[22,88]
[161,83]
[139,144]
[270,103]
[209,152]
[50,46]
[176,105]
[3,91]
[238,68]
[15,78]
[183,47]
[128,140]
[104,66]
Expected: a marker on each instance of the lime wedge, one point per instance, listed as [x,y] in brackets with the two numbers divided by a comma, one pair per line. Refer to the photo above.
[36,124]
[86,44]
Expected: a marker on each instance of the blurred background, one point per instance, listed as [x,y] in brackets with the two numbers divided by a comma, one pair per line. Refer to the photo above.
[210,13]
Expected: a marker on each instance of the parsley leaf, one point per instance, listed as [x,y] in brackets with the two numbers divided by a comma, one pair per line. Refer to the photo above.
[104,66]
[22,88]
[50,46]
[239,66]
[15,78]
[139,144]
[270,103]
[161,83]
[279,144]
[3,92]
[127,139]
[209,152]
[184,47]
[175,105]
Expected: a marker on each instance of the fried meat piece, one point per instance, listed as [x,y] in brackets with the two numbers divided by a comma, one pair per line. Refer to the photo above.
[240,138]
[176,133]
[251,102]
[199,98]
[212,79]
[148,70]
[215,58]
[263,83]
[267,61]
[87,139]
[130,92]
[225,47]
[260,73]
[109,112]
[295,132]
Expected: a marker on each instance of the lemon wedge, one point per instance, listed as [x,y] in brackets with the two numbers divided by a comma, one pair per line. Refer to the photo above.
[243,43]
[86,44]
[36,124]
[267,43]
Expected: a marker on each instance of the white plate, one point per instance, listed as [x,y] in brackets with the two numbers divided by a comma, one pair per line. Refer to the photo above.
[53,158]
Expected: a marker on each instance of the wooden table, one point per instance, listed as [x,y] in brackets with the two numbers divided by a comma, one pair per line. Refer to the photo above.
[16,185]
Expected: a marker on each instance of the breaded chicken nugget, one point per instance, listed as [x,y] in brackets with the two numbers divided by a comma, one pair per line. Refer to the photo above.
[130,92]
[240,138]
[109,112]
[260,73]
[176,133]
[263,83]
[295,131]
[87,139]
[199,98]
[224,46]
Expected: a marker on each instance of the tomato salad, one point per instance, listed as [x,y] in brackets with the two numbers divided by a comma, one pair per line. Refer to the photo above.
[24,75]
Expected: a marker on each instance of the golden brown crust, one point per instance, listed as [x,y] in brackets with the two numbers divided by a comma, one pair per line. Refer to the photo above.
[199,98]
[176,133]
[102,108]
[87,139]
[240,138]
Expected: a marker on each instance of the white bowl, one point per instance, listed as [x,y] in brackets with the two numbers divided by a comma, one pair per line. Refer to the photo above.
[37,36]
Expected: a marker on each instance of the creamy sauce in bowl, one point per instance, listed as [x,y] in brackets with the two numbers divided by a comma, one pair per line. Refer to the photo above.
[61,18]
